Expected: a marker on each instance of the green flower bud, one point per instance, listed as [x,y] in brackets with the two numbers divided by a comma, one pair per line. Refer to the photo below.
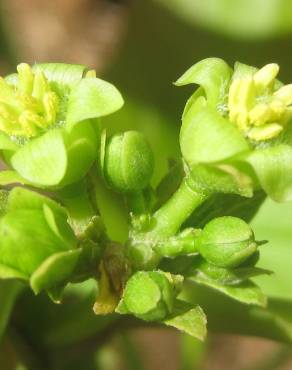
[128,162]
[149,295]
[48,120]
[226,242]
[34,235]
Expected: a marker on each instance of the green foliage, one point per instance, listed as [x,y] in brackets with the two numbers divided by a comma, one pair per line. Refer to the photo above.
[104,218]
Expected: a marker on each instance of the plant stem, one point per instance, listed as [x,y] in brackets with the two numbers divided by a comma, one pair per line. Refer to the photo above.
[170,217]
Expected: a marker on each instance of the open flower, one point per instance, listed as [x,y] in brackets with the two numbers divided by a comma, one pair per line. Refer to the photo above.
[49,118]
[235,135]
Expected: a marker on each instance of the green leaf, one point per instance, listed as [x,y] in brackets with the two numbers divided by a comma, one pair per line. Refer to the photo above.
[55,271]
[273,167]
[42,161]
[213,74]
[229,316]
[246,292]
[188,319]
[92,98]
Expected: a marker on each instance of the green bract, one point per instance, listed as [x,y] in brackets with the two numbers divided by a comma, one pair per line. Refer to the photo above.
[127,162]
[226,242]
[235,135]
[49,132]
[36,242]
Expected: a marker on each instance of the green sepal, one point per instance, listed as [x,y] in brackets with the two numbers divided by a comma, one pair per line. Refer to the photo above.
[188,319]
[246,292]
[209,144]
[92,98]
[213,74]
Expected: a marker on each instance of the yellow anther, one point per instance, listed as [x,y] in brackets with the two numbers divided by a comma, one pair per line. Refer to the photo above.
[30,118]
[265,76]
[25,79]
[260,114]
[277,110]
[265,132]
[90,73]
[50,102]
[284,94]
[40,85]
[241,97]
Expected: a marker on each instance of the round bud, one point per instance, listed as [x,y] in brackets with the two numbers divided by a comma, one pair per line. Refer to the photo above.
[226,242]
[128,162]
[149,295]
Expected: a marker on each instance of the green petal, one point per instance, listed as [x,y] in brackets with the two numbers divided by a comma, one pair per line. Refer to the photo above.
[188,319]
[207,137]
[82,150]
[61,73]
[42,161]
[55,271]
[7,272]
[92,98]
[273,167]
[213,74]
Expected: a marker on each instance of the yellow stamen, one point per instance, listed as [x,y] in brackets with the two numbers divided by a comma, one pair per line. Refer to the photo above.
[265,132]
[265,76]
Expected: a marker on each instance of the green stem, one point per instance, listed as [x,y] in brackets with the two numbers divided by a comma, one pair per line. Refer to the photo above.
[170,217]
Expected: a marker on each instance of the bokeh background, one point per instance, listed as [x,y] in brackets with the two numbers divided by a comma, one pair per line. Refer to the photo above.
[142,46]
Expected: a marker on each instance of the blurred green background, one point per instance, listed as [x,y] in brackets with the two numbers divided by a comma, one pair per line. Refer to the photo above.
[142,47]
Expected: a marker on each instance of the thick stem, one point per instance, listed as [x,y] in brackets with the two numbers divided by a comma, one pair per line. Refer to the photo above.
[170,217]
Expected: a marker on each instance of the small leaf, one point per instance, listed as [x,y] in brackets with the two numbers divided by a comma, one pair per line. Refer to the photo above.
[92,98]
[246,292]
[188,319]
